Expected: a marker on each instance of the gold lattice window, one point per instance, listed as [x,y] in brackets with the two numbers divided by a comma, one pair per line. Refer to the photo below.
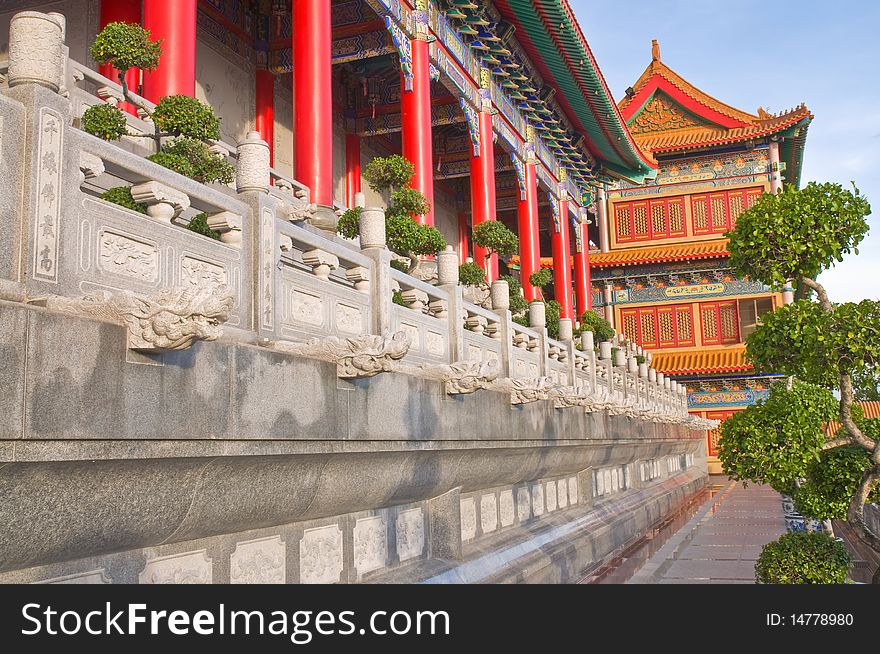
[729,323]
[676,218]
[737,206]
[710,324]
[684,324]
[622,219]
[630,325]
[700,215]
[718,213]
[753,195]
[649,334]
[640,220]
[658,218]
[714,437]
[667,328]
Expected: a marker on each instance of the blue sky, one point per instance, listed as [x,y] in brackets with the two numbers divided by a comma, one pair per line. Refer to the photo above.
[774,54]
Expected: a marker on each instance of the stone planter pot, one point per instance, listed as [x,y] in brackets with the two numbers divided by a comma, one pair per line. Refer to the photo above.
[324,218]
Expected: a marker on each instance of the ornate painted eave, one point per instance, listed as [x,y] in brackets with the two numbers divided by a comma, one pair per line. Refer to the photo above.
[706,361]
[679,252]
[551,36]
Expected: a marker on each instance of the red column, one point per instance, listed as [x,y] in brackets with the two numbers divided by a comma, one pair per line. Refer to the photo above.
[463,245]
[265,115]
[176,73]
[562,262]
[122,11]
[415,110]
[483,192]
[582,286]
[352,168]
[313,98]
[529,244]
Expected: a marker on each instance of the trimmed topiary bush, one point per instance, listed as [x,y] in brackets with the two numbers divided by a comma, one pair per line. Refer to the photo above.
[199,225]
[104,121]
[470,274]
[182,115]
[349,223]
[121,195]
[601,328]
[496,238]
[803,558]
[552,313]
[518,304]
[541,278]
[172,161]
[125,46]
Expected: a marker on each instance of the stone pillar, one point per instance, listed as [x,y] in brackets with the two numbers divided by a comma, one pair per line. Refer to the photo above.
[265,109]
[415,112]
[36,50]
[483,177]
[176,74]
[609,308]
[252,167]
[561,254]
[121,11]
[582,285]
[313,99]
[775,173]
[352,168]
[602,216]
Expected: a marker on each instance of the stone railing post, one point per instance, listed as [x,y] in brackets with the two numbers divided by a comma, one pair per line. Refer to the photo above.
[372,236]
[36,50]
[538,322]
[500,295]
[252,167]
[447,279]
[588,347]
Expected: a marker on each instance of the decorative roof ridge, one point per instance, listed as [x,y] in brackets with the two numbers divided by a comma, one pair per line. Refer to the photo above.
[658,68]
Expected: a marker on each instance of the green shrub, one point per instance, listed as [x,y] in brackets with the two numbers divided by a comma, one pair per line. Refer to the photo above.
[206,166]
[521,320]
[121,195]
[601,328]
[470,274]
[541,278]
[552,313]
[384,173]
[182,115]
[803,558]
[397,298]
[175,162]
[104,121]
[397,264]
[518,304]
[494,236]
[405,236]
[126,45]
[408,202]
[349,223]
[199,225]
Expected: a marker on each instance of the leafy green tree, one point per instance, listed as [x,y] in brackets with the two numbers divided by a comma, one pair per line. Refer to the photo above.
[496,238]
[470,274]
[518,304]
[601,328]
[126,46]
[794,236]
[404,235]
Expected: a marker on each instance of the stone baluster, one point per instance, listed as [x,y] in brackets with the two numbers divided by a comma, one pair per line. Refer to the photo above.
[360,277]
[415,299]
[321,262]
[163,203]
[228,225]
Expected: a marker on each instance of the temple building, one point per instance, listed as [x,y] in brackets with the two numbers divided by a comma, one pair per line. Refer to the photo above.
[662,275]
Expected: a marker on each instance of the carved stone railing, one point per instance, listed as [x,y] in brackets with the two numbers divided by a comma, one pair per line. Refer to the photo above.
[293,287]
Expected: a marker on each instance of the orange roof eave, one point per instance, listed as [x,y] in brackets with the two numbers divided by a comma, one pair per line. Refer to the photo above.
[706,361]
[659,253]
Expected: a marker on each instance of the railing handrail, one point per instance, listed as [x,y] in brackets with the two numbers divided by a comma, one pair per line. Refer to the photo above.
[301,235]
[477,310]
[411,282]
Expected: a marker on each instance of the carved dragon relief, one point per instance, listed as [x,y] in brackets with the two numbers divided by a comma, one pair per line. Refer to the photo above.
[527,389]
[359,356]
[462,377]
[172,319]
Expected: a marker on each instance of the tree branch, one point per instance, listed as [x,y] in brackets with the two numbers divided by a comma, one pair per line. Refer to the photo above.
[846,402]
[838,442]
[820,291]
[855,515]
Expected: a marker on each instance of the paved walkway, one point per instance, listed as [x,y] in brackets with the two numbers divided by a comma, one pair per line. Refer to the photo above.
[720,544]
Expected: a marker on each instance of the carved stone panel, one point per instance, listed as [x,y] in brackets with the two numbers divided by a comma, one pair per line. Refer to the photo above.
[267,264]
[523,504]
[573,490]
[91,577]
[48,196]
[468,519]
[520,368]
[187,568]
[488,513]
[410,529]
[123,255]
[306,308]
[413,332]
[197,272]
[261,561]
[550,490]
[561,493]
[505,504]
[474,352]
[320,555]
[370,544]
[538,498]
[349,319]
[435,343]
